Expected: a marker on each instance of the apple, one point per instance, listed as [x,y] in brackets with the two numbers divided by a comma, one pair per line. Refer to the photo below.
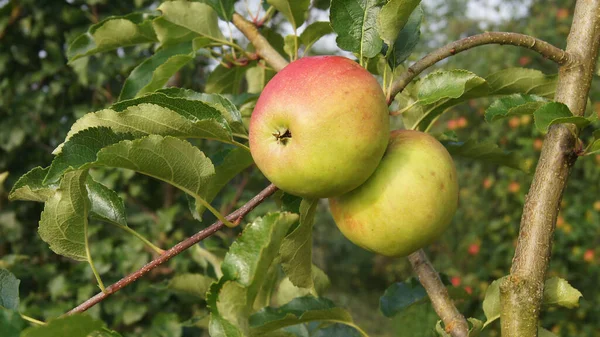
[452,124]
[588,256]
[514,187]
[514,122]
[320,127]
[474,249]
[407,203]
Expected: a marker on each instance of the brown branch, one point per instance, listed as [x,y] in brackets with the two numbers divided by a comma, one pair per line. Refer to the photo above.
[544,48]
[175,250]
[262,46]
[521,292]
[454,321]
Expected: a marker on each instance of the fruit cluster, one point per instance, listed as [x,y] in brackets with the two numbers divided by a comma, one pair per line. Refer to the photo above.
[320,129]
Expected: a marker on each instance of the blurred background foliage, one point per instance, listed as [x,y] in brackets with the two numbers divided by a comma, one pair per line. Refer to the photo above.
[41,96]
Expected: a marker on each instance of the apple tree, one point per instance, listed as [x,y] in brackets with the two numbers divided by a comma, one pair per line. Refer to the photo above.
[265,283]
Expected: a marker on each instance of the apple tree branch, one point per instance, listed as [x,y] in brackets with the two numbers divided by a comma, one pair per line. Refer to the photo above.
[454,321]
[521,292]
[235,217]
[262,46]
[544,48]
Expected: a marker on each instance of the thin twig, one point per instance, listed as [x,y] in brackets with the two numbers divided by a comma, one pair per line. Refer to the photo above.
[521,292]
[454,321]
[235,217]
[262,46]
[544,48]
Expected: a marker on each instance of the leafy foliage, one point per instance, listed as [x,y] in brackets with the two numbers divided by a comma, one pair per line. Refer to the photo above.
[9,290]
[108,109]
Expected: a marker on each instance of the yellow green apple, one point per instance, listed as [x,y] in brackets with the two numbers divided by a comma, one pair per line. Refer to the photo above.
[320,127]
[407,203]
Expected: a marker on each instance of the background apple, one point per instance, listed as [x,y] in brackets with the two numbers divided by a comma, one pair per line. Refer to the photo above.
[407,203]
[320,127]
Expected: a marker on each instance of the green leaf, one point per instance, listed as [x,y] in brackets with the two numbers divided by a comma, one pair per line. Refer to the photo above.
[169,34]
[447,84]
[257,77]
[444,92]
[476,327]
[556,113]
[111,33]
[418,320]
[82,149]
[522,80]
[228,164]
[513,105]
[558,291]
[220,327]
[290,45]
[225,80]
[159,114]
[31,186]
[438,92]
[11,323]
[594,146]
[224,8]
[169,159]
[106,205]
[393,17]
[287,291]
[274,38]
[486,152]
[290,202]
[313,32]
[64,221]
[300,310]
[178,99]
[251,254]
[439,329]
[154,72]
[296,249]
[400,296]
[9,290]
[245,269]
[191,284]
[197,17]
[355,22]
[77,325]
[407,39]
[294,10]
[491,302]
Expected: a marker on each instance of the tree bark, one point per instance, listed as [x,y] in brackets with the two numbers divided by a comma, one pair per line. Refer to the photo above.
[521,292]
